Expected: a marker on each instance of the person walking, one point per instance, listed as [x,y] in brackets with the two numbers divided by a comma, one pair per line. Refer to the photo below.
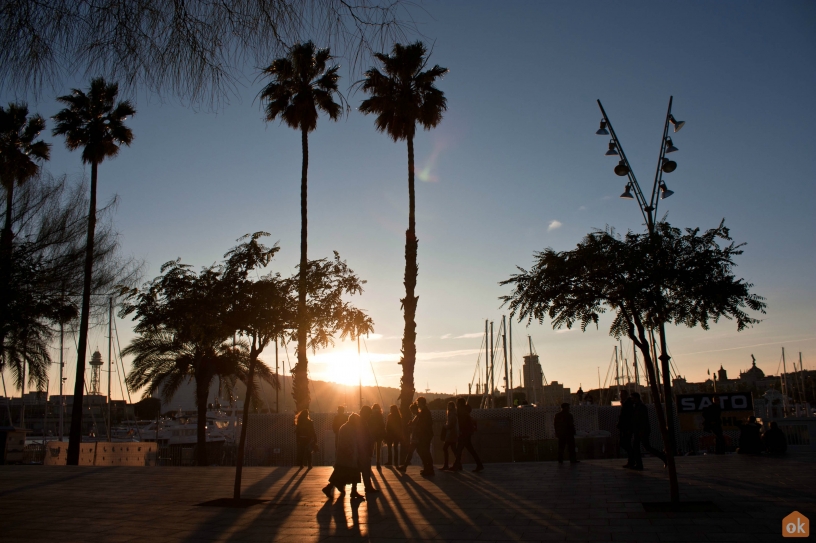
[774,440]
[346,465]
[305,437]
[394,436]
[450,434]
[625,426]
[467,427]
[425,429]
[712,422]
[339,420]
[377,427]
[413,440]
[565,432]
[365,442]
[641,434]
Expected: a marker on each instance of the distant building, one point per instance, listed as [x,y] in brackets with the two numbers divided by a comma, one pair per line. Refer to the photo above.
[554,394]
[533,378]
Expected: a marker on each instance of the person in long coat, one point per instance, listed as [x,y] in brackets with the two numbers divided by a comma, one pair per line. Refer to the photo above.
[625,426]
[394,436]
[305,437]
[451,434]
[425,437]
[413,440]
[565,432]
[467,427]
[347,463]
[365,442]
[376,424]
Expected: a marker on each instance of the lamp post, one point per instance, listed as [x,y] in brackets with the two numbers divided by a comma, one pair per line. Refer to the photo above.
[648,209]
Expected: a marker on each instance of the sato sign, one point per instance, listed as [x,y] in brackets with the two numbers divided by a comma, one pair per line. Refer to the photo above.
[736,407]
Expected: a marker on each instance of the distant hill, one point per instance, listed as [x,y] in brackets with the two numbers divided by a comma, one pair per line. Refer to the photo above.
[326,396]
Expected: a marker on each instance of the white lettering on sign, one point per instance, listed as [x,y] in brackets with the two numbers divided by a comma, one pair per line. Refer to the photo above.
[687,404]
[739,402]
[705,402]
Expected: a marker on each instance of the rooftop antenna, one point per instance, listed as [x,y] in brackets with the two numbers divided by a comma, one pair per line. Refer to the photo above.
[427,388]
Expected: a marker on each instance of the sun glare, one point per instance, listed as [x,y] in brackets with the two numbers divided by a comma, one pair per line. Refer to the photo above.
[343,367]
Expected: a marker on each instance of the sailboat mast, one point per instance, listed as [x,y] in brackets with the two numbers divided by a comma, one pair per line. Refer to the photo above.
[511,362]
[617,373]
[802,379]
[507,390]
[784,384]
[277,376]
[62,367]
[360,372]
[110,348]
[492,364]
[487,366]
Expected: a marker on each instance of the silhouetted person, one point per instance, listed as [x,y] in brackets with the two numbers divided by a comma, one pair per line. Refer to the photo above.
[774,440]
[450,434]
[339,420]
[641,433]
[365,442]
[750,441]
[346,463]
[425,437]
[467,427]
[565,432]
[376,425]
[394,435]
[712,422]
[306,438]
[625,426]
[413,438]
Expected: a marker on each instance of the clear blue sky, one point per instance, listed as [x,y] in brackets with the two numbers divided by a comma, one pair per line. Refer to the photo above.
[514,167]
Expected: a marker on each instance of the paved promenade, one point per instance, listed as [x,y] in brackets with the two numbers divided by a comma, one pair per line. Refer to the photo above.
[590,501]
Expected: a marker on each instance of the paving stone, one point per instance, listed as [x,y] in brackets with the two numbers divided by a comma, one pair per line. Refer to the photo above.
[594,501]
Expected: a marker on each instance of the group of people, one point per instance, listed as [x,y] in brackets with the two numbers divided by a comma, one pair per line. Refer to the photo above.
[634,430]
[359,438]
[751,440]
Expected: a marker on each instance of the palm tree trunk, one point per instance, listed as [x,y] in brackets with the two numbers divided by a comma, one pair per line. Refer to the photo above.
[409,303]
[300,376]
[202,391]
[239,460]
[7,237]
[75,434]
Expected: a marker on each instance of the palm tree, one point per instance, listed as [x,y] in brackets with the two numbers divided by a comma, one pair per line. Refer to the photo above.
[19,154]
[162,363]
[402,98]
[301,85]
[95,122]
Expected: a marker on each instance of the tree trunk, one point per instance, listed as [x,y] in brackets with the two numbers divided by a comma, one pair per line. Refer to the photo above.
[300,375]
[674,488]
[75,433]
[409,303]
[239,460]
[202,391]
[667,395]
[7,238]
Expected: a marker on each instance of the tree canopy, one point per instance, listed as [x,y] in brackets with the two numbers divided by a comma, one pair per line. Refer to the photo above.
[196,51]
[669,276]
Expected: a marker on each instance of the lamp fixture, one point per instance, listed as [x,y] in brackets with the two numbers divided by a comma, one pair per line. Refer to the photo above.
[627,195]
[670,148]
[664,191]
[613,151]
[621,169]
[602,131]
[677,124]
[668,165]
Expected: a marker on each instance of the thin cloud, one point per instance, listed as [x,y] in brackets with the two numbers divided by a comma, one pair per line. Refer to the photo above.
[470,336]
[582,208]
[446,336]
[554,225]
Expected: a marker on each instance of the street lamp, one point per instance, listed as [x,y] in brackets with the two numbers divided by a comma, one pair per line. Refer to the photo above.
[648,208]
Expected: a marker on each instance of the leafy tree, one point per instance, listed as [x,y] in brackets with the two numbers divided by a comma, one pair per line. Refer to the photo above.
[402,98]
[43,274]
[301,86]
[646,279]
[95,122]
[182,336]
[19,155]
[196,51]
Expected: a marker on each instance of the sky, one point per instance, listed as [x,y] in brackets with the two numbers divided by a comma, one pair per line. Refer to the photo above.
[514,167]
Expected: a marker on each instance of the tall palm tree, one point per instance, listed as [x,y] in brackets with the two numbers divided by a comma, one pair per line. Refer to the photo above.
[19,154]
[95,122]
[302,86]
[402,98]
[162,363]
